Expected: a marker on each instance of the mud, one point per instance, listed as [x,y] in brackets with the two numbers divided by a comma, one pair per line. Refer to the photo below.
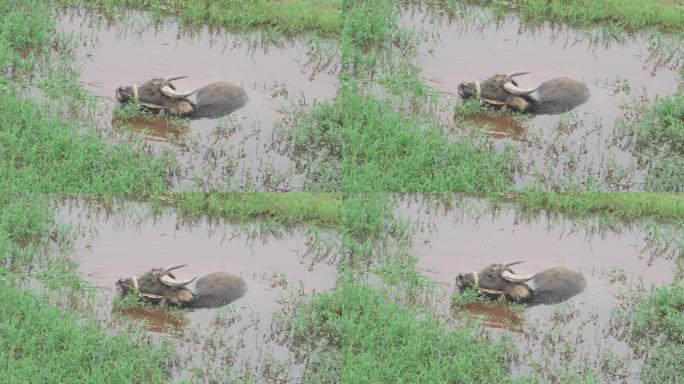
[617,70]
[215,154]
[461,240]
[274,263]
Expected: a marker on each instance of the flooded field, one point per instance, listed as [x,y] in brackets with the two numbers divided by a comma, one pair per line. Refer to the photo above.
[579,331]
[236,151]
[274,262]
[577,146]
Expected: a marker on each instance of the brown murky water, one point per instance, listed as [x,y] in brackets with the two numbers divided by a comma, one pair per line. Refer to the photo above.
[581,144]
[275,264]
[216,154]
[457,241]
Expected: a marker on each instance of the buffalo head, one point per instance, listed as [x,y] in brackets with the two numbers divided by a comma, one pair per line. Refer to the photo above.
[159,285]
[158,95]
[557,95]
[552,285]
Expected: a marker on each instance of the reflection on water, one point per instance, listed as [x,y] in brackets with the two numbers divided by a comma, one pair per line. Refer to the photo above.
[155,128]
[498,125]
[495,315]
[156,319]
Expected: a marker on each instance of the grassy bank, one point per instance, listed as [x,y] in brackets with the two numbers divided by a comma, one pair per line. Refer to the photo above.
[630,15]
[41,343]
[283,208]
[288,17]
[663,207]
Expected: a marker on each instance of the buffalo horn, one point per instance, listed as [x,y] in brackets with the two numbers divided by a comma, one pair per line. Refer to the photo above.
[514,74]
[171,282]
[170,92]
[172,78]
[174,266]
[513,278]
[512,88]
[513,263]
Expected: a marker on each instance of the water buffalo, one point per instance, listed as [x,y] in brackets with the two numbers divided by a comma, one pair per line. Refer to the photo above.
[553,96]
[160,95]
[159,285]
[549,286]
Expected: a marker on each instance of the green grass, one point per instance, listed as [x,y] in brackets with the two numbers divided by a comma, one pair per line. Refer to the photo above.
[283,208]
[630,15]
[356,334]
[40,343]
[41,152]
[627,207]
[285,16]
[653,324]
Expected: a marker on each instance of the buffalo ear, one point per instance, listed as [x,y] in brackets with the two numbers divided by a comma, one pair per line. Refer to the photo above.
[518,103]
[519,292]
[184,296]
[180,108]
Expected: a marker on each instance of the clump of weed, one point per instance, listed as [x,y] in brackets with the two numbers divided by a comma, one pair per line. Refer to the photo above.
[653,325]
[654,133]
[355,333]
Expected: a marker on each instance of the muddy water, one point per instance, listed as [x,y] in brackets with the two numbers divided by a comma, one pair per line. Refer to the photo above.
[216,154]
[273,263]
[617,70]
[460,241]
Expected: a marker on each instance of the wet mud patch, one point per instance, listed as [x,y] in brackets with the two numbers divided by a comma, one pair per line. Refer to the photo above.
[578,148]
[212,344]
[233,152]
[557,342]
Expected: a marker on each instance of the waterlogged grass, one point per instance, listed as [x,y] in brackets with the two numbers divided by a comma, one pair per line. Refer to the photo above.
[655,134]
[40,343]
[288,17]
[284,208]
[653,324]
[662,207]
[356,334]
[631,15]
